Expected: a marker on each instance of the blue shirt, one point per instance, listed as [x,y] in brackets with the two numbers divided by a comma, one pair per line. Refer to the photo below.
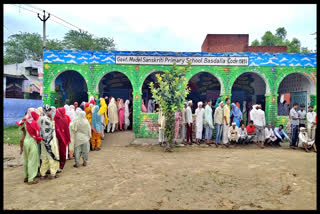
[279,133]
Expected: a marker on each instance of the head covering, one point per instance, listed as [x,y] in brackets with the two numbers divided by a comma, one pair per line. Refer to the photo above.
[218,102]
[236,111]
[47,131]
[113,112]
[92,102]
[190,101]
[86,105]
[91,98]
[76,105]
[126,113]
[32,126]
[221,102]
[103,110]
[302,129]
[74,124]
[96,120]
[53,111]
[200,103]
[82,105]
[234,123]
[62,126]
[72,112]
[78,109]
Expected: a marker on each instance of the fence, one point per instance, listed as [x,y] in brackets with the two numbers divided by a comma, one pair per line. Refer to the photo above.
[14,109]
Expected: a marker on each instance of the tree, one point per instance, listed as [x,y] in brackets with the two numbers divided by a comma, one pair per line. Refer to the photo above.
[305,50]
[281,33]
[255,43]
[294,46]
[54,44]
[268,39]
[170,95]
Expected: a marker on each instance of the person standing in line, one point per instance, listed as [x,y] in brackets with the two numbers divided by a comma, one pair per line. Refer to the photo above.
[162,122]
[184,123]
[143,107]
[112,115]
[177,119]
[49,145]
[76,105]
[258,117]
[294,119]
[189,122]
[226,123]
[302,116]
[208,121]
[270,137]
[311,124]
[63,135]
[28,145]
[81,130]
[236,113]
[199,122]
[218,122]
[126,115]
[121,114]
[96,128]
[104,117]
[71,145]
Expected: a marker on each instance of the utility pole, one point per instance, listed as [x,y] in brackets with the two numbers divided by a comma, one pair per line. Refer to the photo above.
[44,19]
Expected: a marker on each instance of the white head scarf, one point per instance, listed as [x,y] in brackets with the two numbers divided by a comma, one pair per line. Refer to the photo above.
[200,103]
[190,101]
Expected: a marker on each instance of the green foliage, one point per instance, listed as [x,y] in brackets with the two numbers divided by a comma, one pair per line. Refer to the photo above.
[28,46]
[11,135]
[255,43]
[279,39]
[170,95]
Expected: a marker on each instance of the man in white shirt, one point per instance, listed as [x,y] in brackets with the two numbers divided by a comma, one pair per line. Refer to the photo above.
[294,119]
[199,122]
[302,116]
[259,121]
[184,124]
[233,133]
[270,137]
[243,135]
[189,122]
[305,142]
[311,125]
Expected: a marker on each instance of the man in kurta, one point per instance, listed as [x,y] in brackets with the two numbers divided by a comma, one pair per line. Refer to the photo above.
[112,115]
[259,121]
[226,122]
[305,142]
[311,124]
[208,122]
[233,133]
[162,122]
[189,122]
[218,122]
[199,122]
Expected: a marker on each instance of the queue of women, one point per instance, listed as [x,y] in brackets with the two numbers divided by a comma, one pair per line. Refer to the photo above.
[50,136]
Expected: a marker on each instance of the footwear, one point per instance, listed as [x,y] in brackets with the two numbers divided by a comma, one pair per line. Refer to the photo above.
[59,171]
[307,150]
[76,165]
[33,182]
[25,180]
[292,147]
[98,149]
[42,177]
[85,163]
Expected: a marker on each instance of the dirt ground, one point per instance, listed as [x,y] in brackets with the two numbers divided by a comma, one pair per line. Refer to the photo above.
[193,177]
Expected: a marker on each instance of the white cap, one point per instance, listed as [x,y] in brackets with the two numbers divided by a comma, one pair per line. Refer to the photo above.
[190,101]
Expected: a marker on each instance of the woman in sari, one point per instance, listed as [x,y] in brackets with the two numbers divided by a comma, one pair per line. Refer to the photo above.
[104,117]
[71,145]
[236,113]
[28,145]
[63,134]
[126,115]
[121,114]
[143,107]
[112,115]
[88,112]
[81,131]
[49,145]
[96,128]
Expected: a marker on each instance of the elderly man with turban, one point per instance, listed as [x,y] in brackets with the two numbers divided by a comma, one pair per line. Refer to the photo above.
[199,122]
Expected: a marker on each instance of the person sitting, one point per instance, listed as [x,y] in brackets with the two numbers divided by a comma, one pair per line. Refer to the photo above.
[243,135]
[251,132]
[304,141]
[269,135]
[280,134]
[233,133]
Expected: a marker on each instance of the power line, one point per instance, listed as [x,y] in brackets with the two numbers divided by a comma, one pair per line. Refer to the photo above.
[24,8]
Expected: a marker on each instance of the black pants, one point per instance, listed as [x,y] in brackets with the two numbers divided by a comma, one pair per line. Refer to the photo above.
[302,125]
[277,141]
[243,140]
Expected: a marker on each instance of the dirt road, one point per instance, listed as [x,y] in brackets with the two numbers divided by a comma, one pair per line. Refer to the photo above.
[144,177]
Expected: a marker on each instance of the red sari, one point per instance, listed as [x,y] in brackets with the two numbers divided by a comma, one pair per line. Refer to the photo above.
[62,122]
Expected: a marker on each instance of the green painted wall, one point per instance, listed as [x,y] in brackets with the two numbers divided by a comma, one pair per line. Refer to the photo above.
[138,73]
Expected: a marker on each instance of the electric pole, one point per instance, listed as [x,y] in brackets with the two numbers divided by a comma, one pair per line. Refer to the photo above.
[44,19]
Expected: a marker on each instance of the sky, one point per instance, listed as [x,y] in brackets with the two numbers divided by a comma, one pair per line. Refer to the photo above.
[161,27]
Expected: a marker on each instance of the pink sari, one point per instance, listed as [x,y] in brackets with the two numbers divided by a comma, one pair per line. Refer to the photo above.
[121,113]
[177,118]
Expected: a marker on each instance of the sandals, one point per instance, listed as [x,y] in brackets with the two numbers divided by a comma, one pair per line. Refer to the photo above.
[59,171]
[76,165]
[98,149]
[85,164]
[33,182]
[25,180]
[54,177]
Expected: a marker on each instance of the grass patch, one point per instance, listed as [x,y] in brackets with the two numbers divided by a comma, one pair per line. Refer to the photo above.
[11,135]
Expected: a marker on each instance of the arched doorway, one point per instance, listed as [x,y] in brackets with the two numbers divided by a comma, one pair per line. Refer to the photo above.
[204,86]
[294,88]
[71,87]
[249,87]
[146,91]
[116,84]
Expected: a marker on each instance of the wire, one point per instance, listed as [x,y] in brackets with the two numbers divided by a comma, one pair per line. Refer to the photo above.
[24,8]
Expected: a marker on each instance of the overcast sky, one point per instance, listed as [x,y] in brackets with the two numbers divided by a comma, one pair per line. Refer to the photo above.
[167,27]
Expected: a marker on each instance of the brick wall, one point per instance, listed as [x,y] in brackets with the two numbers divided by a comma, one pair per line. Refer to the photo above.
[225,43]
[275,49]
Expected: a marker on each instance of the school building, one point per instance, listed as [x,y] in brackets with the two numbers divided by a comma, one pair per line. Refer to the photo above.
[227,67]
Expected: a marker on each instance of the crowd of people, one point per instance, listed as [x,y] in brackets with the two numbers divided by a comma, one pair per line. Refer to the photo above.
[50,136]
[231,128]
